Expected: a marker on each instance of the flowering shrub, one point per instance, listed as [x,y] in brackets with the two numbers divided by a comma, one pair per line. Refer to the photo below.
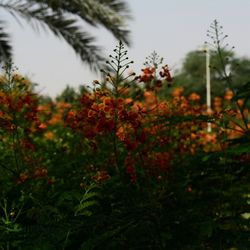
[120,167]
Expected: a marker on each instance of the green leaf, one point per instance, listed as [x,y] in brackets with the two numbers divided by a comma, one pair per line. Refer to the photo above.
[243,92]
[85,208]
[89,196]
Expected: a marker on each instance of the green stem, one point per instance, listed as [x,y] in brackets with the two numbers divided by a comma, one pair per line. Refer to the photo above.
[228,79]
[116,95]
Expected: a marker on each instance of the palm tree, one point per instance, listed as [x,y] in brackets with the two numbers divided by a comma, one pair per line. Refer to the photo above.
[64,19]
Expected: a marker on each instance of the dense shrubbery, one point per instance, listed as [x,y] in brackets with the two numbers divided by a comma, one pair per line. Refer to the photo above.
[119,168]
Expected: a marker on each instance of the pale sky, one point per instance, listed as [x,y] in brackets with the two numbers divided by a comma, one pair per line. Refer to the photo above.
[172,28]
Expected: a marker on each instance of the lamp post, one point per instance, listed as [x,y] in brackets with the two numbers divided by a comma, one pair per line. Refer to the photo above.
[208,86]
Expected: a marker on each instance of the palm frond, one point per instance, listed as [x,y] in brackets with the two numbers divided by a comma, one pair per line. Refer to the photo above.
[62,16]
[111,19]
[5,47]
[111,14]
[118,6]
[63,27]
[80,41]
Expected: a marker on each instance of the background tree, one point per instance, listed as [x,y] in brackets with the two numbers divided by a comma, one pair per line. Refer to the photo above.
[192,74]
[64,19]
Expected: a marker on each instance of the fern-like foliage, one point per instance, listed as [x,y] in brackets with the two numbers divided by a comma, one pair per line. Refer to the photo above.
[88,201]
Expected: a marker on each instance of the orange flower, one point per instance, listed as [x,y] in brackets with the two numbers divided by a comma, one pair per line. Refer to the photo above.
[63,105]
[91,113]
[71,113]
[42,126]
[150,97]
[148,70]
[163,108]
[49,135]
[228,95]
[194,97]
[22,177]
[209,137]
[217,102]
[101,176]
[128,101]
[177,91]
[193,136]
[240,102]
[45,109]
[56,119]
[147,75]
[40,172]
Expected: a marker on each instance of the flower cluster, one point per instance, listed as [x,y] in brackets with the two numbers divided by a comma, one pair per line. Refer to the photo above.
[120,127]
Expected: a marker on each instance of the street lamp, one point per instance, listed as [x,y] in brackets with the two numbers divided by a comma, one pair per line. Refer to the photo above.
[205,49]
[208,85]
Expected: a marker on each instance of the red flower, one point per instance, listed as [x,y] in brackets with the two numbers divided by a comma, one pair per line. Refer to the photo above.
[131,145]
[166,73]
[105,125]
[148,75]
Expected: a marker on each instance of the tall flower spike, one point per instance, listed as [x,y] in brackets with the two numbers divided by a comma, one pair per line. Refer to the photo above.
[219,47]
[153,60]
[217,36]
[118,63]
